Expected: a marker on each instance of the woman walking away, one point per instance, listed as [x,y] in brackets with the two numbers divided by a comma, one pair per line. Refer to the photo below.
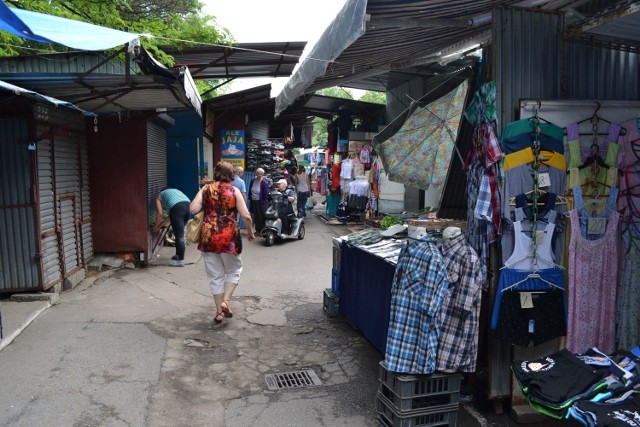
[220,240]
[259,195]
[304,191]
[176,204]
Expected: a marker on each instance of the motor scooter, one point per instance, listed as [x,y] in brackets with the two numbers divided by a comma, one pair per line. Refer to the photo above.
[272,229]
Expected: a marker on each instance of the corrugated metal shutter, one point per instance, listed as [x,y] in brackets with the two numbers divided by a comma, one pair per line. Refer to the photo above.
[64,194]
[156,165]
[18,245]
[258,130]
[48,213]
[86,234]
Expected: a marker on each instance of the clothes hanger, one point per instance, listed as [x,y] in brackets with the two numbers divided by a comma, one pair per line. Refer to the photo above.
[533,275]
[595,119]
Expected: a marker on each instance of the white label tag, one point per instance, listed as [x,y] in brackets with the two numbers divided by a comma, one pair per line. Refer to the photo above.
[596,225]
[539,237]
[525,300]
[544,179]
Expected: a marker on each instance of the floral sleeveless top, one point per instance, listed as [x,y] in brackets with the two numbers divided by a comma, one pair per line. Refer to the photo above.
[219,232]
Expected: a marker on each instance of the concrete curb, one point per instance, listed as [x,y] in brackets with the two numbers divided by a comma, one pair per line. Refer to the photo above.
[22,325]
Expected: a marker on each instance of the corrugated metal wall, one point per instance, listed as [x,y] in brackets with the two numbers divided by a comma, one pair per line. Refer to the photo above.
[597,72]
[19,265]
[156,166]
[64,63]
[258,130]
[63,187]
[527,59]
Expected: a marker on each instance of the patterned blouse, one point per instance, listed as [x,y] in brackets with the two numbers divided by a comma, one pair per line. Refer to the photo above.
[219,232]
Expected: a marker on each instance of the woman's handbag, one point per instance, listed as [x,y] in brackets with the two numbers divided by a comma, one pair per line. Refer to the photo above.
[193,227]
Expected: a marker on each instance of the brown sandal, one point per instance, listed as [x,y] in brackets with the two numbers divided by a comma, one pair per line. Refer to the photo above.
[219,317]
[224,306]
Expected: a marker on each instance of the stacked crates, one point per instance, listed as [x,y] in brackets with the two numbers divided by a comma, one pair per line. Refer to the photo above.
[417,400]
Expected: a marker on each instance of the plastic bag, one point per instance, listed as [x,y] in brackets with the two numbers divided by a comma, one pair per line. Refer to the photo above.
[193,228]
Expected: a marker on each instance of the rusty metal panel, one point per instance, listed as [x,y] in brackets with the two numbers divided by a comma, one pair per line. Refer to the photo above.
[601,72]
[527,58]
[118,176]
[19,265]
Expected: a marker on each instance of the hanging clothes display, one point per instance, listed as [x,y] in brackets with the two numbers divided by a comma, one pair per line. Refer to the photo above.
[628,306]
[518,140]
[592,282]
[460,312]
[419,284]
[484,172]
[600,174]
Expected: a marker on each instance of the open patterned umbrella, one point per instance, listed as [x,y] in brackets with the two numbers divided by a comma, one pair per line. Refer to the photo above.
[419,153]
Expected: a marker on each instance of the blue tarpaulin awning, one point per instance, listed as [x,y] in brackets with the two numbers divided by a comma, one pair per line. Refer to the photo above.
[45,28]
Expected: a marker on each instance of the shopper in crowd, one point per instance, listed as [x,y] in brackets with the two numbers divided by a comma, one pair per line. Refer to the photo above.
[259,196]
[303,190]
[238,182]
[175,204]
[286,207]
[220,240]
[334,195]
[291,177]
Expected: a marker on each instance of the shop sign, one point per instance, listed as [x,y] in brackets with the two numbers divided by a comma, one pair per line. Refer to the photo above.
[232,146]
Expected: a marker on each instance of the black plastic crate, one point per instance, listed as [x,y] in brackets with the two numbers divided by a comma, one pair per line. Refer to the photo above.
[408,386]
[403,404]
[440,416]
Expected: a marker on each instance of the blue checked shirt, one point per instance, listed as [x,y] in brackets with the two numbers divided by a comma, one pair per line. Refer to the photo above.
[460,313]
[419,285]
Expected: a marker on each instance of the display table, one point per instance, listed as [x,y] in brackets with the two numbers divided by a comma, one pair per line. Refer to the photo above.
[365,293]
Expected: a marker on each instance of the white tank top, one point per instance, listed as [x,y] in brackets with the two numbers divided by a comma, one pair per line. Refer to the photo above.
[522,258]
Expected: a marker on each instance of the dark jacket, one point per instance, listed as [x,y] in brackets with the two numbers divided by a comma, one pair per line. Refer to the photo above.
[264,193]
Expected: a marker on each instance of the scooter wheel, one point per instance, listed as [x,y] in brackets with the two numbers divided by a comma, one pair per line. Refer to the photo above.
[270,238]
[301,232]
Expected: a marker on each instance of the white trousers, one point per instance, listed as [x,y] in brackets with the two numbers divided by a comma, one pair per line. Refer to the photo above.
[221,269]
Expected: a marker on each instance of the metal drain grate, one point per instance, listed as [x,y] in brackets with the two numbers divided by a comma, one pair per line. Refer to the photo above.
[295,379]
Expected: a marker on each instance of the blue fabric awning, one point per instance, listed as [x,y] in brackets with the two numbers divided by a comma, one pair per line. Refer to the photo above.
[45,28]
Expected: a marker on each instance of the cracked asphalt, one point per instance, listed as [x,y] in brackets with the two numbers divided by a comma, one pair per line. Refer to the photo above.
[138,347]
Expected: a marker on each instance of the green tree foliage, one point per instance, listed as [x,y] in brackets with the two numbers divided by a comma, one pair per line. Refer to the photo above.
[336,92]
[320,135]
[374,97]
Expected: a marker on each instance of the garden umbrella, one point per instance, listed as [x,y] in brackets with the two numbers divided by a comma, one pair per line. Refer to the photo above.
[419,153]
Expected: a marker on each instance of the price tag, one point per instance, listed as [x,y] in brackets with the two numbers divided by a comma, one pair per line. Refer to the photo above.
[596,225]
[544,179]
[525,300]
[539,237]
[532,326]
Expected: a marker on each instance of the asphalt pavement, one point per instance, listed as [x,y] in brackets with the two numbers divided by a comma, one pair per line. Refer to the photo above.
[138,347]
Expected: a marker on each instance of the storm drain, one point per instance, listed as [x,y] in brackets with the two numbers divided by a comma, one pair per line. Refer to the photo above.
[295,379]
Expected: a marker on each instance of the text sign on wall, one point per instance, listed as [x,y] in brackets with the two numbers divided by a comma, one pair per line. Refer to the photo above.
[232,146]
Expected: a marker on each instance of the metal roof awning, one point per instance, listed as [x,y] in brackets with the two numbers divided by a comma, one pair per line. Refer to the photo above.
[276,59]
[258,104]
[388,43]
[616,26]
[93,83]
[13,90]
